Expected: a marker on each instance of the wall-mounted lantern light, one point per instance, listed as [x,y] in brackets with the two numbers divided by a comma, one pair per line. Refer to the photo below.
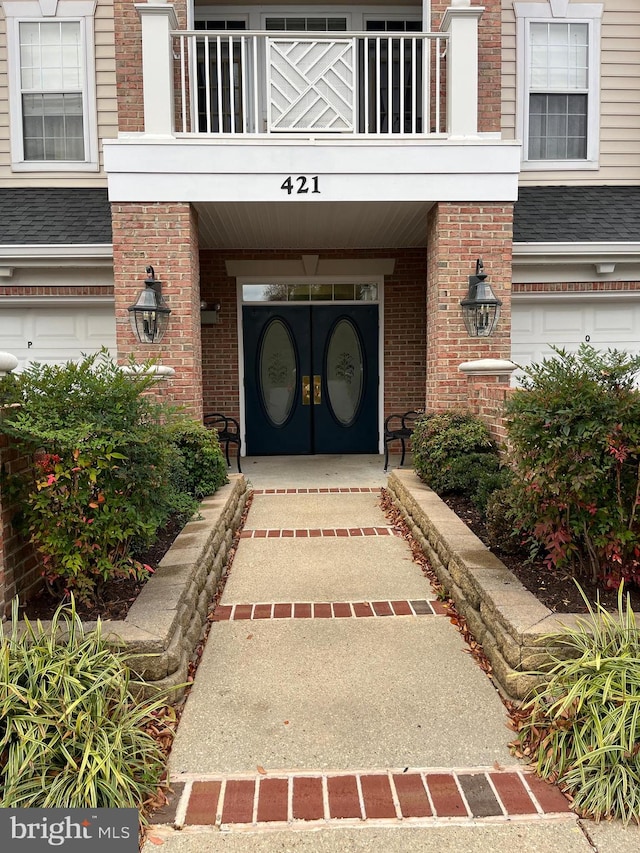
[149,315]
[481,308]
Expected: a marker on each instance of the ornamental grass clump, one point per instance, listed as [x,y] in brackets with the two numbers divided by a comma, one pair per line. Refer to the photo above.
[71,732]
[581,728]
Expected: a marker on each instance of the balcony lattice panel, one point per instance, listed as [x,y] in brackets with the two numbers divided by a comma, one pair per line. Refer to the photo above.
[311,85]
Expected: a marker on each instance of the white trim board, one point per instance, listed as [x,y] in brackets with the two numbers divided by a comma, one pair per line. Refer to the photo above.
[327,270]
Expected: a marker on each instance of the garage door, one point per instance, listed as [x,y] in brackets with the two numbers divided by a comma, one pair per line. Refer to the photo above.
[56,335]
[606,323]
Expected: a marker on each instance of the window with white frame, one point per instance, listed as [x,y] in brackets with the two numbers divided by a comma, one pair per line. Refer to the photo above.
[52,86]
[558,98]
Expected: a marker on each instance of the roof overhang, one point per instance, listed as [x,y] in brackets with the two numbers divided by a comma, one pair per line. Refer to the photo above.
[54,255]
[573,262]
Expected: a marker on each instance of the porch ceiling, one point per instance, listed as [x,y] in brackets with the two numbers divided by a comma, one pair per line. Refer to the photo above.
[318,225]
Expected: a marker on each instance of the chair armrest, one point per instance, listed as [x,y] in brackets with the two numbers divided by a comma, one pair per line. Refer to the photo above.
[409,418]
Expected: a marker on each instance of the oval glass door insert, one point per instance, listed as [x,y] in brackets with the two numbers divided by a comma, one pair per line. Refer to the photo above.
[344,372]
[277,372]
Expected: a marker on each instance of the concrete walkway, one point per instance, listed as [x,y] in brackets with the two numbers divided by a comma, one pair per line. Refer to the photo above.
[336,707]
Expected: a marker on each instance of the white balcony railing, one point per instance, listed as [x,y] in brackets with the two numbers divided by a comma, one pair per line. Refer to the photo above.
[241,83]
[351,83]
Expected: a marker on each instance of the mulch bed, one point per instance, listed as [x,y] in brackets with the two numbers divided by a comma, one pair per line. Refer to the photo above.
[555,589]
[116,596]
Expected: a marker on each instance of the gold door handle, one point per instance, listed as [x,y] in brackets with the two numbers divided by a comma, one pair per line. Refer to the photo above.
[317,390]
[306,390]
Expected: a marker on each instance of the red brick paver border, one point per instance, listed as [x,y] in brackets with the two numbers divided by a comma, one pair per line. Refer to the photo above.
[345,490]
[316,533]
[387,797]
[324,610]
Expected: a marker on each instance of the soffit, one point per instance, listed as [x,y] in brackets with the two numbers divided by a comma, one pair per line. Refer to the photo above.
[320,225]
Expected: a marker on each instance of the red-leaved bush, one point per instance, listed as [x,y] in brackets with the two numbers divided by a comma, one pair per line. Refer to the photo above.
[574,446]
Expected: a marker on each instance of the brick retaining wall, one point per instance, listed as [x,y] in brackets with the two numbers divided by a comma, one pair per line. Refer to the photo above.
[164,624]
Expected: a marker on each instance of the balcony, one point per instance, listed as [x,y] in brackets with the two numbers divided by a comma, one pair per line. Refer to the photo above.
[344,84]
[337,118]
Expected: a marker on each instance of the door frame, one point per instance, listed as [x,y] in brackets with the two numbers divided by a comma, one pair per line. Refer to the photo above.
[311,279]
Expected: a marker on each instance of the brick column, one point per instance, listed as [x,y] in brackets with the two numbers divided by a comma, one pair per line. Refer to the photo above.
[164,235]
[489,57]
[128,47]
[458,234]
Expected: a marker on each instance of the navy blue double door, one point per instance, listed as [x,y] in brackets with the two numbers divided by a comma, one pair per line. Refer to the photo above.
[311,379]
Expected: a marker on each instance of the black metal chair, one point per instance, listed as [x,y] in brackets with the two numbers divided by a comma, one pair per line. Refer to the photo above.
[398,428]
[228,430]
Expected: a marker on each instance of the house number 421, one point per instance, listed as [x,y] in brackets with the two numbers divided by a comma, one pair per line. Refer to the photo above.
[301,185]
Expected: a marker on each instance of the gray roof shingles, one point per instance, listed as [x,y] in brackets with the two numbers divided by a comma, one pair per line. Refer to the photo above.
[577,215]
[54,215]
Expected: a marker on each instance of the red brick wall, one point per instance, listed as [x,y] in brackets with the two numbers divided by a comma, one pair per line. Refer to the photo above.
[20,570]
[577,287]
[458,234]
[29,290]
[220,341]
[128,66]
[128,41]
[404,326]
[489,59]
[486,398]
[165,236]
[404,333]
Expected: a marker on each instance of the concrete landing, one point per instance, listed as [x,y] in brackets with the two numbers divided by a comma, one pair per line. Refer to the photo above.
[339,694]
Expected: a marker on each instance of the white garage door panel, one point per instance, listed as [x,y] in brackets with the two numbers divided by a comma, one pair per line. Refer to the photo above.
[565,321]
[521,321]
[56,335]
[57,329]
[100,326]
[621,322]
[539,325]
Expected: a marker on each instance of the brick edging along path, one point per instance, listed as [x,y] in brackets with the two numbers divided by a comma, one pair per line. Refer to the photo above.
[327,610]
[344,490]
[315,532]
[321,798]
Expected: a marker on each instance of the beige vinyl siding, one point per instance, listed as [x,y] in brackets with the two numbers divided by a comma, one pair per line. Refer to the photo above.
[105,102]
[619,160]
[508,109]
[4,99]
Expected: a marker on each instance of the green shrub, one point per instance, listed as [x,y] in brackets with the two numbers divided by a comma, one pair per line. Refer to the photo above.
[103,469]
[71,733]
[491,478]
[500,516]
[451,449]
[582,728]
[200,467]
[574,434]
